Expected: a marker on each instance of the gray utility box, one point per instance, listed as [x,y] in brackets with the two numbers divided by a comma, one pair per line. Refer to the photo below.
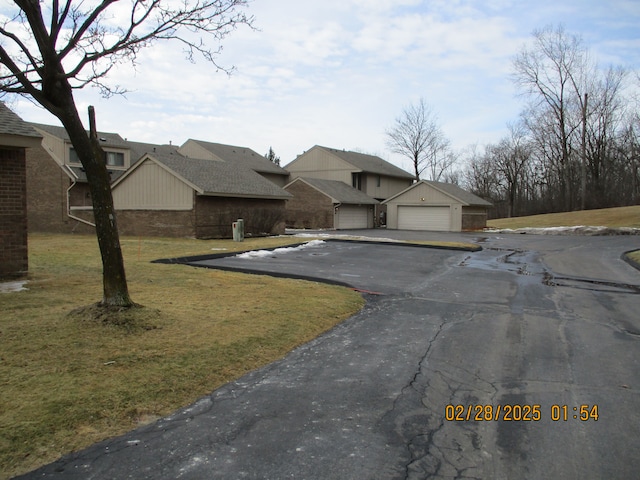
[238,230]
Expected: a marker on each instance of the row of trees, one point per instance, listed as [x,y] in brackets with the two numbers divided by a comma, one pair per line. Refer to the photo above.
[575,145]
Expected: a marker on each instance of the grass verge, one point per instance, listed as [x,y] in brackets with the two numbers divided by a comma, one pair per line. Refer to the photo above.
[67,380]
[635,256]
[607,217]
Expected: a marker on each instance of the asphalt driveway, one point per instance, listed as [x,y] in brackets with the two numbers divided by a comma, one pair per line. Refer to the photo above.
[461,365]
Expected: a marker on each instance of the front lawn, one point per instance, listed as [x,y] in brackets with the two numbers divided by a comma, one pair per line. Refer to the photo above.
[606,217]
[67,382]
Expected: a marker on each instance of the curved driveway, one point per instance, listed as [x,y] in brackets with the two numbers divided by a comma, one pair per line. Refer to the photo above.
[520,333]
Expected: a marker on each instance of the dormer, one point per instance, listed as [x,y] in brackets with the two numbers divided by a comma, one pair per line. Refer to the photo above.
[56,142]
[115,158]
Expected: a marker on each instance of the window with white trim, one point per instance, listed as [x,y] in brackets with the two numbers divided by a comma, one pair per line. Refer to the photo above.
[112,159]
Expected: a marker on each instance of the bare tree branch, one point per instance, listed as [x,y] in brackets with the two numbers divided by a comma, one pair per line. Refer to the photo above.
[46,53]
[417,136]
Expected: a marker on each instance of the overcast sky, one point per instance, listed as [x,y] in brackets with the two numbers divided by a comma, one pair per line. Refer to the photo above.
[338,72]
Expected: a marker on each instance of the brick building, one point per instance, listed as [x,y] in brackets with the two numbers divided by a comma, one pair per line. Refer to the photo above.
[15,137]
[196,190]
[320,203]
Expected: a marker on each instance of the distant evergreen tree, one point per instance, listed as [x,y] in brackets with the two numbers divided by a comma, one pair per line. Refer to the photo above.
[272,157]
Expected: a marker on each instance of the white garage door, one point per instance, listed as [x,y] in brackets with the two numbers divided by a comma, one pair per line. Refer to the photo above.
[424,218]
[350,216]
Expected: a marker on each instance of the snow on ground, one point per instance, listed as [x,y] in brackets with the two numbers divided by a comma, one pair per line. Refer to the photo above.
[577,230]
[9,287]
[281,250]
[342,236]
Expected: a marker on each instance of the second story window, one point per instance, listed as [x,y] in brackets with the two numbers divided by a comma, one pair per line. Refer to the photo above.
[114,159]
[356,180]
[73,156]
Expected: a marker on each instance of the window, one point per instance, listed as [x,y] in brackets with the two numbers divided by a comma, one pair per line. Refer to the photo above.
[73,156]
[356,180]
[114,159]
[379,181]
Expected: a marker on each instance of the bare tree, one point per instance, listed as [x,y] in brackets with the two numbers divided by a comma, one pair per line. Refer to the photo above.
[511,157]
[417,136]
[605,113]
[480,175]
[49,49]
[552,72]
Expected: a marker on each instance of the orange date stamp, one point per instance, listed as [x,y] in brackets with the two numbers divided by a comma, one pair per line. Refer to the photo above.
[519,413]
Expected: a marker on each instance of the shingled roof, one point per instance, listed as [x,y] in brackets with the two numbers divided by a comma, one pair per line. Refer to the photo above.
[339,191]
[242,155]
[106,139]
[369,163]
[212,178]
[463,196]
[138,149]
[12,126]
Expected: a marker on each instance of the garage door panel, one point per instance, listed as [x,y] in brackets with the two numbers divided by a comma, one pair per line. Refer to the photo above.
[424,218]
[352,217]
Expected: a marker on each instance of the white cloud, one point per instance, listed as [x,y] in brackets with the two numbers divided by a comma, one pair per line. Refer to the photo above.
[338,72]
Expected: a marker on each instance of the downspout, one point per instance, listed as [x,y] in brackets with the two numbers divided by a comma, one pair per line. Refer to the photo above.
[73,217]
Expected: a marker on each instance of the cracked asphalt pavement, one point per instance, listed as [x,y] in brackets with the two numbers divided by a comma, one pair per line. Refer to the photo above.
[534,325]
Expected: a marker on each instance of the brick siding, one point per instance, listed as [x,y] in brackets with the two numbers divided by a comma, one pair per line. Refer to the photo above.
[156,223]
[47,185]
[474,218]
[14,260]
[47,209]
[308,208]
[214,216]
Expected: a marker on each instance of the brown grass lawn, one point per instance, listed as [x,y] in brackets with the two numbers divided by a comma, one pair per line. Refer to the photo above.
[607,217]
[67,382]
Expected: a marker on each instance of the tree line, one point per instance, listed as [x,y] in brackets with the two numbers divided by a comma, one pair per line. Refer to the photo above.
[575,145]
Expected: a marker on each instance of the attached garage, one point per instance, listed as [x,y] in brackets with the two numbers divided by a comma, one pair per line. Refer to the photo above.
[414,217]
[436,206]
[352,216]
[319,203]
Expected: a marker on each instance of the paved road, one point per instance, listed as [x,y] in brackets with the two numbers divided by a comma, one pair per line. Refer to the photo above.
[530,322]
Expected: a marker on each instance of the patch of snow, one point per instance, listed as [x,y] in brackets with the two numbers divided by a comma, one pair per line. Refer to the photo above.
[576,230]
[9,287]
[280,251]
[346,237]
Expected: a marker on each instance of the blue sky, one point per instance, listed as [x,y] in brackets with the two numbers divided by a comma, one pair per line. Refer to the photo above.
[338,72]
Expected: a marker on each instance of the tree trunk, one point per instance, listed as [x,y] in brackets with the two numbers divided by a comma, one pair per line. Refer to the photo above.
[115,289]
